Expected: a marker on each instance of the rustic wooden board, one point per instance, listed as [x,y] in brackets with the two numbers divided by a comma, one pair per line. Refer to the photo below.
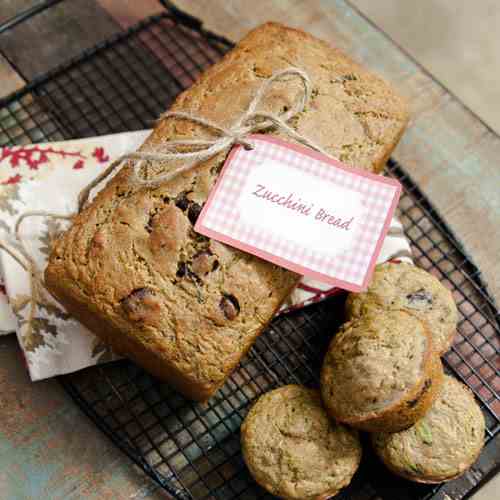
[48,449]
[53,36]
[10,79]
[12,7]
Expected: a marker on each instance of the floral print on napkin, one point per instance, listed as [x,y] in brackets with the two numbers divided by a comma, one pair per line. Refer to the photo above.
[49,177]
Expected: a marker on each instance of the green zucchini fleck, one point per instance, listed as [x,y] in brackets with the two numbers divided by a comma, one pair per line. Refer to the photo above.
[423,431]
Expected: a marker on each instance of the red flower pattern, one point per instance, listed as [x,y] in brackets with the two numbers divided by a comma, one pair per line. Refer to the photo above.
[78,165]
[100,155]
[33,156]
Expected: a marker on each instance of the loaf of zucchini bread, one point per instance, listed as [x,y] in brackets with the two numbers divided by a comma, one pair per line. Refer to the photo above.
[132,269]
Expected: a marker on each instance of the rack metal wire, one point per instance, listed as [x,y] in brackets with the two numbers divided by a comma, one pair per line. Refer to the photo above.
[192,450]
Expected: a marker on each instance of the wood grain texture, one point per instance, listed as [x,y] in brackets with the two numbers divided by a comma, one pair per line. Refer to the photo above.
[446,149]
[54,35]
[10,79]
[466,60]
[128,13]
[49,449]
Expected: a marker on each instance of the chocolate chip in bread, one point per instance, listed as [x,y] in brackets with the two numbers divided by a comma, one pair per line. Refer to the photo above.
[409,288]
[440,446]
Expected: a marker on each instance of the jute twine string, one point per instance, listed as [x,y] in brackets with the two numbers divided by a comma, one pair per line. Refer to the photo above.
[192,152]
[38,292]
[251,121]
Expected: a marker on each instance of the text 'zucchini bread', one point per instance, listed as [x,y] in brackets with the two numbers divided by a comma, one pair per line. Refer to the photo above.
[132,269]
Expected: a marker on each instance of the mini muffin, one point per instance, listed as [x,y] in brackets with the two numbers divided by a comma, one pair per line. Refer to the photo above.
[294,450]
[381,372]
[409,288]
[440,446]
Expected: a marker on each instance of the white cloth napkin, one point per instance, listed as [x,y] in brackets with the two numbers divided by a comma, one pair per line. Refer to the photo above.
[49,177]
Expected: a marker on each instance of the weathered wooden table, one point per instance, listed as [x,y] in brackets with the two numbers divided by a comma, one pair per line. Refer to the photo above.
[48,449]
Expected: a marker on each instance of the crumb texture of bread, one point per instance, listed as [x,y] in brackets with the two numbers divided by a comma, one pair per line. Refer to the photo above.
[440,446]
[132,269]
[294,450]
[380,372]
[402,286]
[375,361]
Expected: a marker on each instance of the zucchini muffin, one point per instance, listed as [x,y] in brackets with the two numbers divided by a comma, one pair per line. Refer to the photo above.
[294,450]
[440,446]
[381,372]
[409,288]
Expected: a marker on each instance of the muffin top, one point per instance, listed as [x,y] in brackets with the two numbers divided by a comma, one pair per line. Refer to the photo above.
[294,450]
[373,362]
[441,445]
[406,287]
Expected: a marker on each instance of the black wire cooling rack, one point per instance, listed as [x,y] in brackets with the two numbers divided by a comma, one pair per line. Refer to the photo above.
[192,450]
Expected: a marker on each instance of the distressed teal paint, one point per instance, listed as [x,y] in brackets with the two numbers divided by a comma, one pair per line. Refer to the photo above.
[33,471]
[445,142]
[376,50]
[466,176]
[34,474]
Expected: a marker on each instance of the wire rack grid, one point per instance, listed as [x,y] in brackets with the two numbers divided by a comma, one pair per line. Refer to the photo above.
[192,450]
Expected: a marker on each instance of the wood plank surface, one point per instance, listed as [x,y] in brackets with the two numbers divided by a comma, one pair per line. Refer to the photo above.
[9,78]
[48,448]
[128,13]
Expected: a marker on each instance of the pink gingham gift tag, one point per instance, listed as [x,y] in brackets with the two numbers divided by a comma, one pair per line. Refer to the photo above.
[301,210]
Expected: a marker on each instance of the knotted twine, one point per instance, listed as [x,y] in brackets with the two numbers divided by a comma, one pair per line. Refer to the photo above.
[251,121]
[200,150]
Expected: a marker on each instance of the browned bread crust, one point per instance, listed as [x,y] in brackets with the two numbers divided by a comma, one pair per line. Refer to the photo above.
[381,372]
[132,269]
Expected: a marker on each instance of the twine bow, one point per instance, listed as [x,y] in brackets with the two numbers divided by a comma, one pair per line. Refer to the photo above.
[251,121]
[193,151]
